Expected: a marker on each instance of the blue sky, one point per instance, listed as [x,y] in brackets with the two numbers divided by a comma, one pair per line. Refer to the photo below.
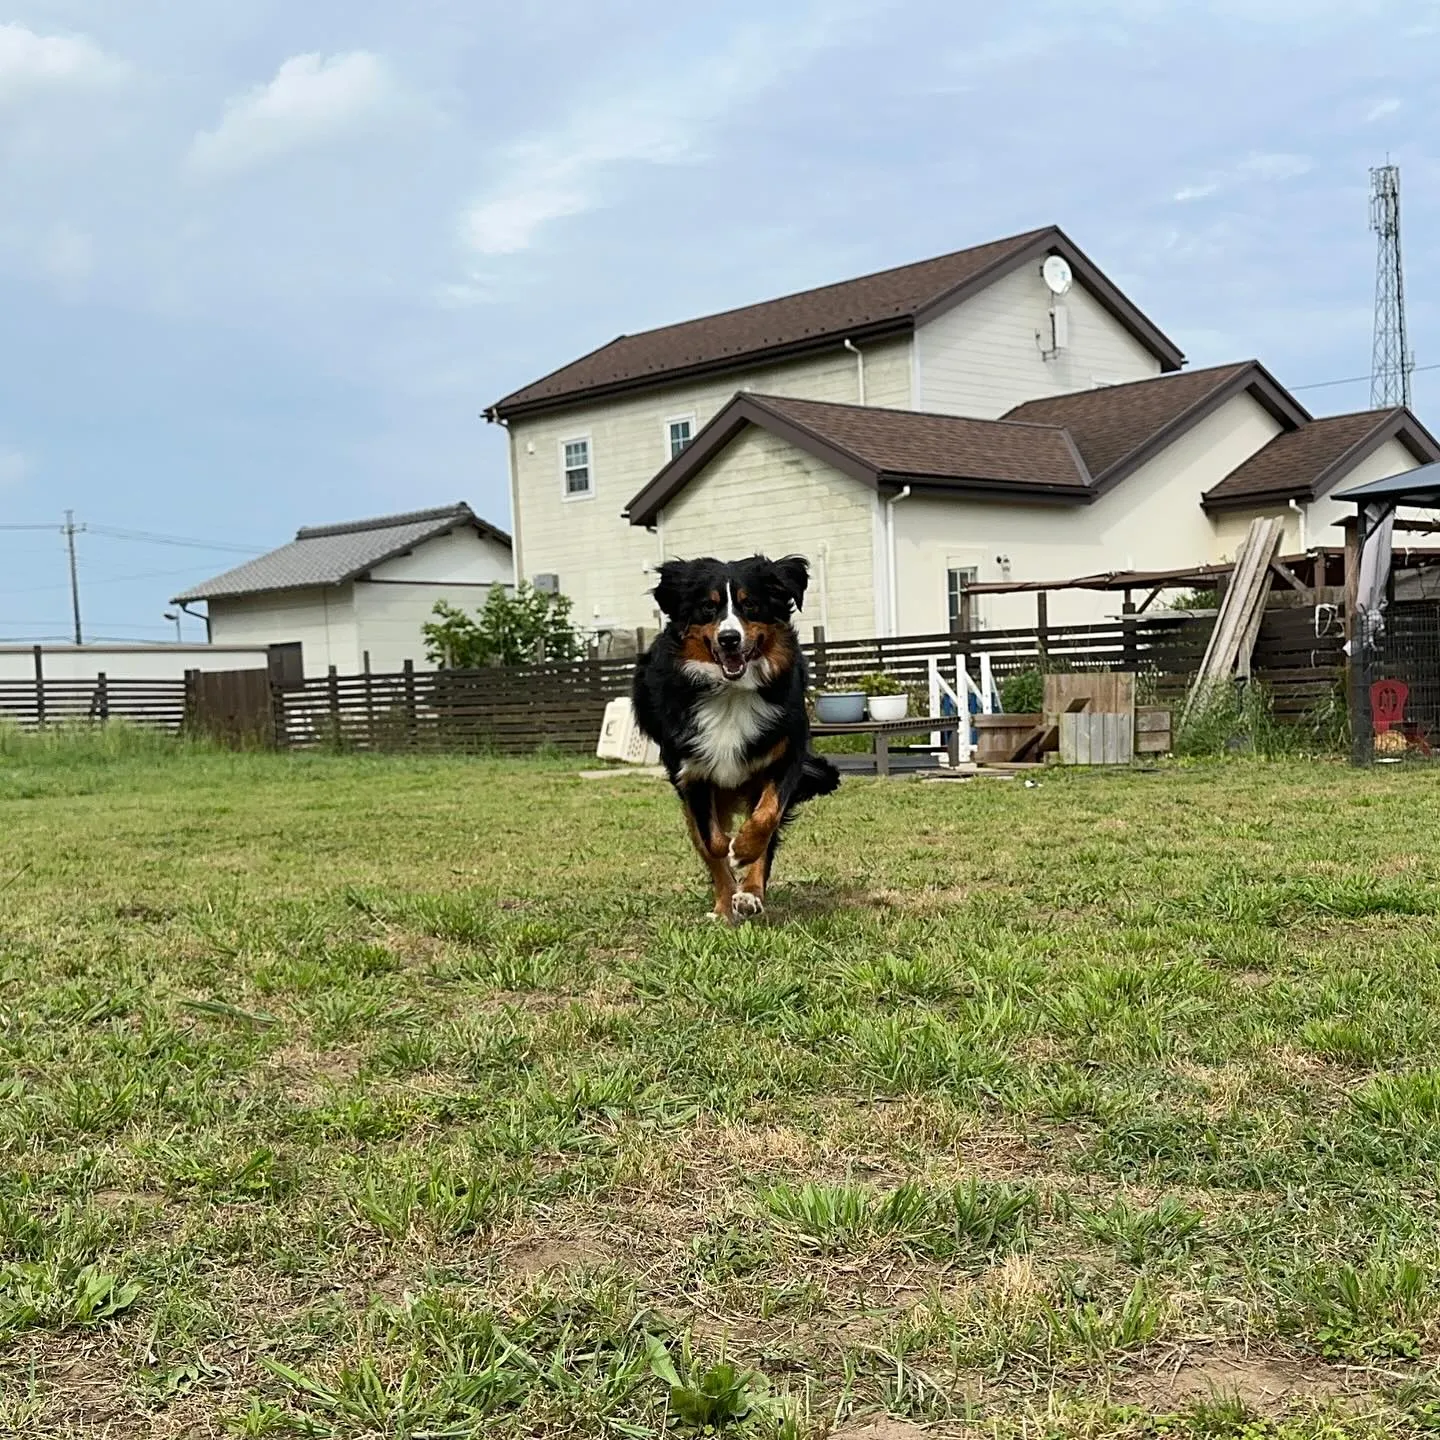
[263,264]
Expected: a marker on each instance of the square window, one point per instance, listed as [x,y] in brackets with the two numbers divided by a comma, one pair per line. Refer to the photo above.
[956,583]
[576,463]
[679,434]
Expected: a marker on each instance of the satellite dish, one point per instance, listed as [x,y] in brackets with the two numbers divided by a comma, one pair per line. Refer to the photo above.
[1055,272]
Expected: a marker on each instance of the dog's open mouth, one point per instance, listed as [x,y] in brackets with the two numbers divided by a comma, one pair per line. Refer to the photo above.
[733,663]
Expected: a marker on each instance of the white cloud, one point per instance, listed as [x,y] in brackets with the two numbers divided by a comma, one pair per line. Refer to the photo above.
[312,99]
[14,466]
[1381,108]
[1259,166]
[31,62]
[563,172]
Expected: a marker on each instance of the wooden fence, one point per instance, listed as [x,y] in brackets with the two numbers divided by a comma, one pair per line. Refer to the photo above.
[521,709]
[34,703]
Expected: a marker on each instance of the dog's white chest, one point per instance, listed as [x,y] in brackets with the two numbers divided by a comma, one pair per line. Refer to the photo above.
[724,724]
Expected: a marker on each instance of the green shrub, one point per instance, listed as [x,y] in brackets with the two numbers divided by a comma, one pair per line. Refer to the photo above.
[1023,693]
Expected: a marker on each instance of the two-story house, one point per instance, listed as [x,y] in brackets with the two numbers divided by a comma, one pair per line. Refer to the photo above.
[1002,412]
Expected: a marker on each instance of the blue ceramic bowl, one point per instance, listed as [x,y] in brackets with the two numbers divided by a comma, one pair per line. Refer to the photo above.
[842,707]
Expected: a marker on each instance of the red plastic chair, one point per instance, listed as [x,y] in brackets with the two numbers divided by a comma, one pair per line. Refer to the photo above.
[1387,704]
[1387,710]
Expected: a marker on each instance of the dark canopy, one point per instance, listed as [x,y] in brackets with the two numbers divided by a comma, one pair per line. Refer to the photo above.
[1420,487]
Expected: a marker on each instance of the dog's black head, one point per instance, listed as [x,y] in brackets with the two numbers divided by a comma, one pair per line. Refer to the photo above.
[733,617]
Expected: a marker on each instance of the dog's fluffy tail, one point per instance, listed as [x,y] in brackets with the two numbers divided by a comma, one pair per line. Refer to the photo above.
[817,777]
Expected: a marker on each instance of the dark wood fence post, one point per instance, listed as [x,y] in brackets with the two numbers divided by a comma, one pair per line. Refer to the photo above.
[40,686]
[369,705]
[1042,628]
[102,696]
[334,687]
[190,724]
[1130,622]
[818,635]
[412,721]
[279,715]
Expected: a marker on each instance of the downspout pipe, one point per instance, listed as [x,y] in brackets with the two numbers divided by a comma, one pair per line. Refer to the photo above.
[194,616]
[893,576]
[1299,510]
[854,349]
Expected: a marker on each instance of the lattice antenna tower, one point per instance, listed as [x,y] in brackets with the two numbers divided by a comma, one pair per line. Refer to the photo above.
[1391,361]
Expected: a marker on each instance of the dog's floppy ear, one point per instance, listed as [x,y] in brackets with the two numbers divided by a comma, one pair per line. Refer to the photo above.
[794,573]
[670,592]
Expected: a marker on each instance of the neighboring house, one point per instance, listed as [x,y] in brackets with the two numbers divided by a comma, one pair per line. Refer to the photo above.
[914,431]
[968,333]
[348,593]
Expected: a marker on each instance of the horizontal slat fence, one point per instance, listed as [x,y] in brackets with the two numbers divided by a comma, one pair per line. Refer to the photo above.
[518,710]
[32,703]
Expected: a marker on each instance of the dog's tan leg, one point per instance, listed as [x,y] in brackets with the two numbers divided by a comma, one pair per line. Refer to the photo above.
[705,816]
[750,847]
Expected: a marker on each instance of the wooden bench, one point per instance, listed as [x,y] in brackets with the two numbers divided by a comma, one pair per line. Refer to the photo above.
[882,730]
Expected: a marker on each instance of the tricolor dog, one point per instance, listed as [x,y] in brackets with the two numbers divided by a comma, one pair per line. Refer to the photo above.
[722,693]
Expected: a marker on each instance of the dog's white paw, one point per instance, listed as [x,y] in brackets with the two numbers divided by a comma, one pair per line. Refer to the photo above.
[745,905]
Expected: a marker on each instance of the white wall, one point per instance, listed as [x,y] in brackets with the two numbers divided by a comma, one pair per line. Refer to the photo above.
[322,619]
[1150,521]
[126,662]
[981,358]
[388,619]
[464,556]
[604,562]
[761,491]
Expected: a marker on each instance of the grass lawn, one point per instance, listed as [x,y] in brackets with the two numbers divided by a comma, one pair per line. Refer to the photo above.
[413,1098]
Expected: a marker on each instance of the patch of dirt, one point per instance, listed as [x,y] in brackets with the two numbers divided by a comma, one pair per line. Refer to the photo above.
[119,1199]
[1266,1383]
[309,1074]
[542,1255]
[883,1428]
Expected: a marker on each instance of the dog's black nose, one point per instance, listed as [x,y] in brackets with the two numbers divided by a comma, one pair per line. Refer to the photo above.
[729,639]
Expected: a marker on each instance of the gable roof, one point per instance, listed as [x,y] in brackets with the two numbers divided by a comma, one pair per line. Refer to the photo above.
[1073,446]
[1302,464]
[333,554]
[1119,427]
[871,307]
[949,454]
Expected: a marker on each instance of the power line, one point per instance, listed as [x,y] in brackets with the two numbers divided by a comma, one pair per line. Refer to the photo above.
[149,538]
[1356,379]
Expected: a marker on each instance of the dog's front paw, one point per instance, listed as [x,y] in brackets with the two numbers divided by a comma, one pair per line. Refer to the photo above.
[746,906]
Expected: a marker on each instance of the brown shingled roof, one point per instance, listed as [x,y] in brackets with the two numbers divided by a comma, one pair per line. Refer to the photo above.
[1118,427]
[1297,465]
[889,302]
[880,447]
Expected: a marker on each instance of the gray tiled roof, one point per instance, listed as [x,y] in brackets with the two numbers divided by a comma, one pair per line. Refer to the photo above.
[333,554]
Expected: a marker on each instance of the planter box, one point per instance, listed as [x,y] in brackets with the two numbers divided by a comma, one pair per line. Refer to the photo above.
[998,737]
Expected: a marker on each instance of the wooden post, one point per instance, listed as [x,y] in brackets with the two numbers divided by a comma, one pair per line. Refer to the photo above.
[334,680]
[40,686]
[279,717]
[967,612]
[412,722]
[639,639]
[818,634]
[191,722]
[1360,752]
[369,705]
[1127,621]
[102,696]
[1042,627]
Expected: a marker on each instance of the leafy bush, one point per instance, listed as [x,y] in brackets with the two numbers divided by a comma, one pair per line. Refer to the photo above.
[880,684]
[1023,693]
[511,629]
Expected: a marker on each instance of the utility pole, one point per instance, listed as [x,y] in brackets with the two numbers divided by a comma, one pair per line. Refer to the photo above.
[69,532]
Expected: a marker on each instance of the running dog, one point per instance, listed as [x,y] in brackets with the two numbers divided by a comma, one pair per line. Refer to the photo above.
[722,693]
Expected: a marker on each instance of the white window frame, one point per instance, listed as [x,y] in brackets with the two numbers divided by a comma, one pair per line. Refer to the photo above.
[589,492]
[954,563]
[668,441]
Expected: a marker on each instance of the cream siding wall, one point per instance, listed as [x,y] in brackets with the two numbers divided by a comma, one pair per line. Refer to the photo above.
[604,562]
[762,491]
[1150,521]
[981,358]
[322,620]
